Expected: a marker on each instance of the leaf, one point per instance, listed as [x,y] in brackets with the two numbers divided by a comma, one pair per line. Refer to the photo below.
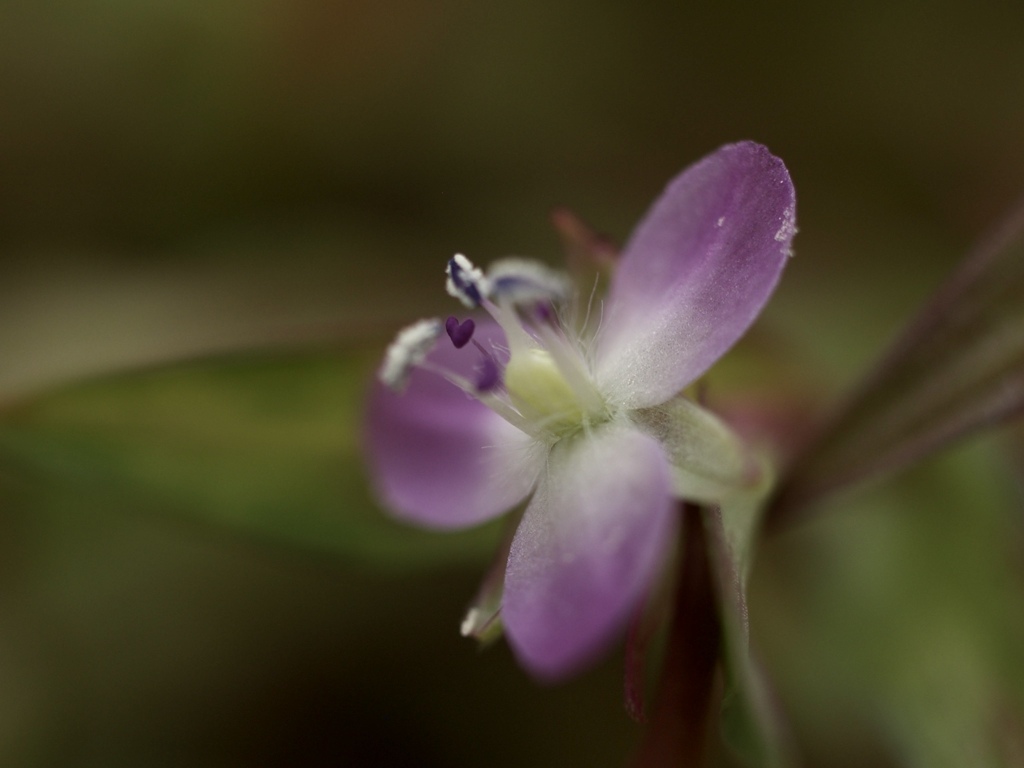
[261,445]
[957,368]
[895,627]
[751,722]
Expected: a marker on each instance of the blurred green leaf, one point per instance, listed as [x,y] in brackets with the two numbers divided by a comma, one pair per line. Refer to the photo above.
[262,445]
[957,368]
[893,627]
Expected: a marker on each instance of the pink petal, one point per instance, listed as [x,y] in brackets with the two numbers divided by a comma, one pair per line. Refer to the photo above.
[588,549]
[439,457]
[695,274]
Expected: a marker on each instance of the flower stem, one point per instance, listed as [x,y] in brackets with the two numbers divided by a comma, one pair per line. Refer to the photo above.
[678,732]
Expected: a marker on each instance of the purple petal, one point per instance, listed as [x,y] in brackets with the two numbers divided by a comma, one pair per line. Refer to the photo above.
[441,458]
[588,549]
[695,274]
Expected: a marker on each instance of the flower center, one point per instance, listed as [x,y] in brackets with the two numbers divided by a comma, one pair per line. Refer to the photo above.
[545,387]
[539,391]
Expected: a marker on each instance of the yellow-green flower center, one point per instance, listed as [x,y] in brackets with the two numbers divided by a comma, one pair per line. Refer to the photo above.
[540,392]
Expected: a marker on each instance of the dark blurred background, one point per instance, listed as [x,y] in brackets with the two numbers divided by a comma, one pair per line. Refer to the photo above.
[185,180]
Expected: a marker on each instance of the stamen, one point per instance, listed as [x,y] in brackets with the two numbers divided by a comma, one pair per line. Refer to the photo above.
[521,281]
[460,333]
[409,349]
[465,282]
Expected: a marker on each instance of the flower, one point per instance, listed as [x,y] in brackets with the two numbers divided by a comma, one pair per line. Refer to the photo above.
[581,406]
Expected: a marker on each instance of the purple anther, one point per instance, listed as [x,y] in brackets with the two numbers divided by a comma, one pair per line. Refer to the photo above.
[488,374]
[460,333]
[545,313]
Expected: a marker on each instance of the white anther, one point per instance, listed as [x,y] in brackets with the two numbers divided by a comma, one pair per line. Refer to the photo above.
[465,281]
[520,281]
[410,348]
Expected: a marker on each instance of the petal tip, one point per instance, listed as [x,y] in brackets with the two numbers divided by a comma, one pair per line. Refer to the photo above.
[696,272]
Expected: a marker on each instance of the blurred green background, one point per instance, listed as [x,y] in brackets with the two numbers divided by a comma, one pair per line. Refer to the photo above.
[212,217]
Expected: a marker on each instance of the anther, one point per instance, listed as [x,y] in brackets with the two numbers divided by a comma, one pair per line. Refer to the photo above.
[521,281]
[488,374]
[465,282]
[409,349]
